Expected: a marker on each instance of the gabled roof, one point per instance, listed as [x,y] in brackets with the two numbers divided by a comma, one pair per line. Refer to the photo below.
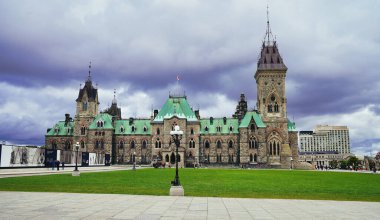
[291,126]
[225,128]
[60,129]
[90,90]
[176,106]
[107,121]
[138,124]
[249,116]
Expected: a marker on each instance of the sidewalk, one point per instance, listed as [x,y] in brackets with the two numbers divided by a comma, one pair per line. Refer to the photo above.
[46,171]
[28,205]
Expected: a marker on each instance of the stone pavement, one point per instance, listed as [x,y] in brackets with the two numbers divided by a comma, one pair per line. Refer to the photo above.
[28,205]
[46,171]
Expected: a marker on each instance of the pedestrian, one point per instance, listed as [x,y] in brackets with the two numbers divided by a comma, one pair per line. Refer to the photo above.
[57,164]
[63,165]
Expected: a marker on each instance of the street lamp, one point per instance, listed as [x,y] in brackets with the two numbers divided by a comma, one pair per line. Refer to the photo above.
[176,188]
[76,171]
[134,160]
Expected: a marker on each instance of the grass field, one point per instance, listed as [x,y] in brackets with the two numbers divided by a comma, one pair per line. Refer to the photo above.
[283,184]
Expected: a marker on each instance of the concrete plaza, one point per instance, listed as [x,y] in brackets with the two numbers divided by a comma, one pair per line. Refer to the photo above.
[29,205]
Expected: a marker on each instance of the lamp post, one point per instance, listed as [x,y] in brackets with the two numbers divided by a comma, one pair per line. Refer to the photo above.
[76,171]
[134,160]
[176,188]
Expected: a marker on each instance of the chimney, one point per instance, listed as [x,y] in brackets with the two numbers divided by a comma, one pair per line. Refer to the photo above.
[224,120]
[67,119]
[197,114]
[211,120]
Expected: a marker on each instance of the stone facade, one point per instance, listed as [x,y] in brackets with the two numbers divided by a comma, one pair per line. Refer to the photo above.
[263,137]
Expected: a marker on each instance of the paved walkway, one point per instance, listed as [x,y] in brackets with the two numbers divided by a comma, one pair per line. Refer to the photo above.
[46,171]
[28,205]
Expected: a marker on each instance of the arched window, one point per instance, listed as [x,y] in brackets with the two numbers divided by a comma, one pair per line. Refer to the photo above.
[274,148]
[132,144]
[276,107]
[97,144]
[144,144]
[191,131]
[67,145]
[83,130]
[230,144]
[167,158]
[255,158]
[278,148]
[121,144]
[270,149]
[158,143]
[207,144]
[253,127]
[253,143]
[270,108]
[82,144]
[250,158]
[219,144]
[218,128]
[54,145]
[158,131]
[102,144]
[191,143]
[84,106]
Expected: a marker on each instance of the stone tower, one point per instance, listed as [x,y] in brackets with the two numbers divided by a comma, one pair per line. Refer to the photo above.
[87,107]
[271,99]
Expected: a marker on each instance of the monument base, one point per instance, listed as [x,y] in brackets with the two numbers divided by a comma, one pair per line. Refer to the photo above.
[176,191]
[75,173]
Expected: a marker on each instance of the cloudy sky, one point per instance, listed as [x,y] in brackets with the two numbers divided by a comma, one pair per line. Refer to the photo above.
[331,48]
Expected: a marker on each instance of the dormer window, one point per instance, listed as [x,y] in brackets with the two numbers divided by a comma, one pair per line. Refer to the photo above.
[122,130]
[231,128]
[218,129]
[145,129]
[68,130]
[100,124]
[133,128]
[56,129]
[206,129]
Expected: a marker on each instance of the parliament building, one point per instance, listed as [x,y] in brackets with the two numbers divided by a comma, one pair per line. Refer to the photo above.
[264,137]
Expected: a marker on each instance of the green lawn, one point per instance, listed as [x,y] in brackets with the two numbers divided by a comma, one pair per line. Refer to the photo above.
[283,184]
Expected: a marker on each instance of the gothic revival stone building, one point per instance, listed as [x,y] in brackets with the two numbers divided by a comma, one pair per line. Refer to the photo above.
[262,137]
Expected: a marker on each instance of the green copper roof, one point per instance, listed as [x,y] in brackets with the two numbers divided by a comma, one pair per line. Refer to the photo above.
[219,122]
[291,126]
[122,127]
[102,117]
[176,106]
[60,129]
[249,116]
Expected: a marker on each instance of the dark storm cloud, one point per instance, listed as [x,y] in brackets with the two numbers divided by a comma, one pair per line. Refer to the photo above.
[331,50]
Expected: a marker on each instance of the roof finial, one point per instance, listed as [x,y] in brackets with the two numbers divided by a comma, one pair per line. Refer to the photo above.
[89,72]
[114,97]
[268,31]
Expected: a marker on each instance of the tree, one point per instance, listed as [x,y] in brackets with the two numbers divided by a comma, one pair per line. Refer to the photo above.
[353,161]
[371,164]
[334,164]
[377,157]
[343,164]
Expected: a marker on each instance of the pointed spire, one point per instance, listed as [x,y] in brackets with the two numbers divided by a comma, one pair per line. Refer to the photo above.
[268,39]
[114,97]
[89,72]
